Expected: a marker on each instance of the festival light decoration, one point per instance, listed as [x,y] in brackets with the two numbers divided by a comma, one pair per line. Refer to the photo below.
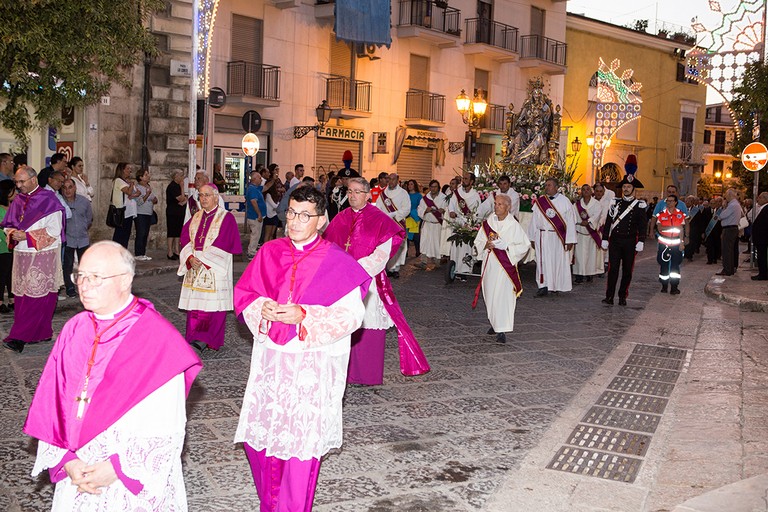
[206,19]
[727,48]
[618,103]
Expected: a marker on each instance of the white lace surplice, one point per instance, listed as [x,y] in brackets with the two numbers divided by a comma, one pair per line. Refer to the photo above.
[292,403]
[148,440]
[38,273]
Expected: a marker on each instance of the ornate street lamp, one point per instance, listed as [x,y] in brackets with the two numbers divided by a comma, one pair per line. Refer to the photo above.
[576,145]
[323,113]
[471,112]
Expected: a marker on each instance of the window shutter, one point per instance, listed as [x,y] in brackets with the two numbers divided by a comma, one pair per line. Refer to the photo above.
[341,58]
[419,73]
[247,36]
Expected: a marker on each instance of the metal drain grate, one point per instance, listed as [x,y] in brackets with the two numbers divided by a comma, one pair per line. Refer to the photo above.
[646,387]
[656,351]
[627,420]
[632,401]
[607,439]
[655,362]
[641,372]
[608,466]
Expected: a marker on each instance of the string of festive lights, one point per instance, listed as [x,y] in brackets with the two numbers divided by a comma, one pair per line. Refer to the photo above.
[206,19]
[618,103]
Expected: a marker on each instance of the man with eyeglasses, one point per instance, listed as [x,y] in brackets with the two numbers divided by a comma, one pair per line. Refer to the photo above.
[208,242]
[372,238]
[109,415]
[396,203]
[301,297]
[33,225]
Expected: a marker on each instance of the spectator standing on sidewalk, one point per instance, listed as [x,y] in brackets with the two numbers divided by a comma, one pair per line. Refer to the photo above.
[123,193]
[84,188]
[145,209]
[255,212]
[729,220]
[77,226]
[760,238]
[7,192]
[175,206]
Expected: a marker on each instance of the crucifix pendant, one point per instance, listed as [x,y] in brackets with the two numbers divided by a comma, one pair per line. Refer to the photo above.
[82,399]
[346,245]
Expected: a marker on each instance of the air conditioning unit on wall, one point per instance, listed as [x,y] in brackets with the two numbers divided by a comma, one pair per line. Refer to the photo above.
[367,50]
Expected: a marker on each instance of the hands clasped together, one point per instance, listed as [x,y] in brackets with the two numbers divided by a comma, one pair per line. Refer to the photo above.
[285,313]
[90,478]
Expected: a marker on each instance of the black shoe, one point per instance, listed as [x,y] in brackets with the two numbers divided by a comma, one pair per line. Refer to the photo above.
[754,278]
[578,280]
[622,302]
[396,274]
[542,292]
[663,289]
[492,332]
[6,309]
[589,279]
[72,294]
[199,346]
[501,338]
[15,345]
[724,273]
[608,301]
[674,291]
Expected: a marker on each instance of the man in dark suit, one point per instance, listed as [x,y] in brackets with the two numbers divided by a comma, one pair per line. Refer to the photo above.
[58,163]
[760,238]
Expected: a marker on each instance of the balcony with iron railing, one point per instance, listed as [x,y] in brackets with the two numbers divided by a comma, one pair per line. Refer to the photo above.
[690,153]
[723,148]
[424,19]
[253,83]
[540,51]
[424,108]
[494,118]
[353,97]
[324,9]
[492,38]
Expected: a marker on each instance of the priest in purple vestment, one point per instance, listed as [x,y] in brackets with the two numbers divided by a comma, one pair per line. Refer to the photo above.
[34,226]
[372,238]
[301,297]
[208,241]
[109,413]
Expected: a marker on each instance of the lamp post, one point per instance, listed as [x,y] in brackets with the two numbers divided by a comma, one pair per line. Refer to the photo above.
[323,113]
[471,112]
[720,177]
[576,145]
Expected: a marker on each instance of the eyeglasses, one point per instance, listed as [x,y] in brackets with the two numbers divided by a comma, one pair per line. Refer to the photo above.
[206,195]
[303,216]
[93,279]
[19,182]
[353,191]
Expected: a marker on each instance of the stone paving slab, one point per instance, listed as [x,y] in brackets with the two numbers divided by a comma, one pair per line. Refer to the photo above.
[450,440]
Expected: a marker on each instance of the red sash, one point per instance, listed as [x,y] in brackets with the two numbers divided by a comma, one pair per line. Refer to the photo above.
[390,205]
[462,203]
[592,232]
[507,265]
[547,208]
[431,204]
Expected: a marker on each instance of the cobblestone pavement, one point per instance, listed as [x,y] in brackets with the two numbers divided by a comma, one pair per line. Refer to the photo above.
[439,442]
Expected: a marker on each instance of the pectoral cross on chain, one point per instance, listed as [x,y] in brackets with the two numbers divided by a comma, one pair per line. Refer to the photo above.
[346,245]
[82,400]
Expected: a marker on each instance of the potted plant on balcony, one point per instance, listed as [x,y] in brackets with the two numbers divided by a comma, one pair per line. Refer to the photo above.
[441,3]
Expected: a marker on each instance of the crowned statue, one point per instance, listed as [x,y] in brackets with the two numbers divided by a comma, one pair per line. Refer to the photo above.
[532,136]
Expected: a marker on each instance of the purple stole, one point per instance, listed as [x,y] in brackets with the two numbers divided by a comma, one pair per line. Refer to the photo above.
[151,353]
[193,206]
[503,257]
[367,229]
[324,275]
[431,204]
[546,206]
[592,232]
[390,205]
[462,203]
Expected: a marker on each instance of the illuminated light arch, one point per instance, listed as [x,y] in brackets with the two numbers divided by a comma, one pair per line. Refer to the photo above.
[618,103]
[727,48]
[206,19]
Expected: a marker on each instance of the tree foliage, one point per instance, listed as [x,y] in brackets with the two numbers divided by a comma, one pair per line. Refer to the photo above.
[750,109]
[66,53]
[639,25]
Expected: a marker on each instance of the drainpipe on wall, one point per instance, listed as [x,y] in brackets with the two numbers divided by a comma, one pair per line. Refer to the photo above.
[145,114]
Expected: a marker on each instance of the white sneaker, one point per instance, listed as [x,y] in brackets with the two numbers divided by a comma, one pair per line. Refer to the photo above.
[142,258]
